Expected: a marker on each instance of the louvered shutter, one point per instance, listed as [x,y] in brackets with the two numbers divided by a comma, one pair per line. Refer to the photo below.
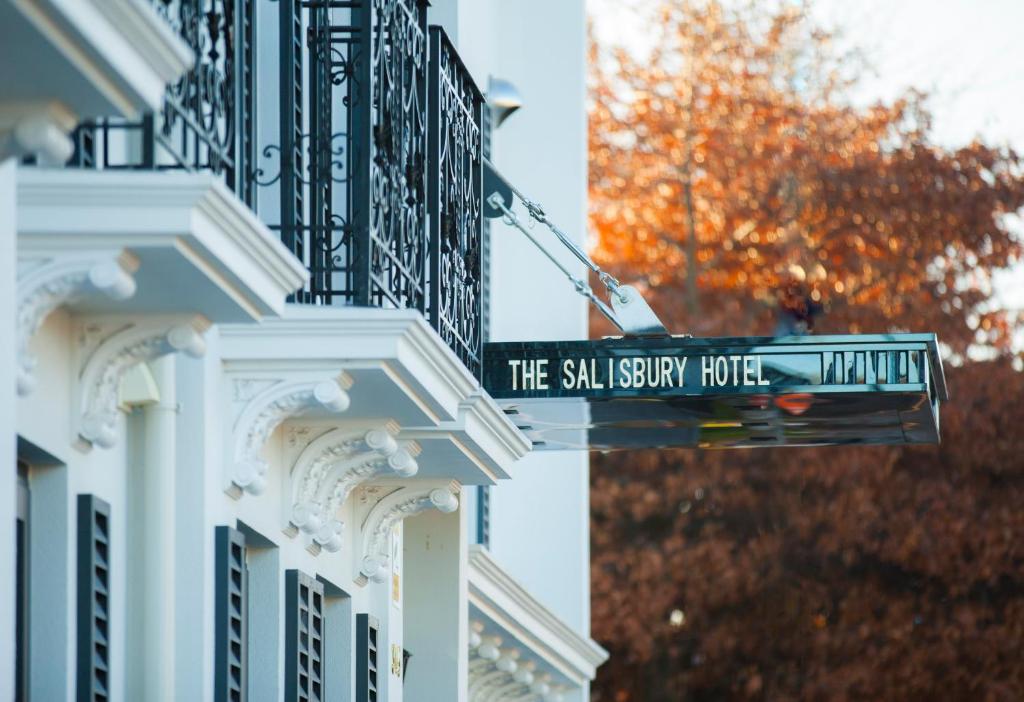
[367,658]
[93,680]
[304,638]
[231,595]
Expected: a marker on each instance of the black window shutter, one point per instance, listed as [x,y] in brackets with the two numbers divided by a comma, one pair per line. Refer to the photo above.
[304,638]
[231,605]
[367,632]
[93,681]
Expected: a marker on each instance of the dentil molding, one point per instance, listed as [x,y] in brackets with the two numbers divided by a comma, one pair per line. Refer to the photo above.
[46,284]
[264,411]
[335,463]
[109,349]
[398,504]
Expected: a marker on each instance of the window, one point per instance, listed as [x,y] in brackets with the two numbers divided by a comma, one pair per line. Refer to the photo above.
[93,599]
[231,605]
[304,638]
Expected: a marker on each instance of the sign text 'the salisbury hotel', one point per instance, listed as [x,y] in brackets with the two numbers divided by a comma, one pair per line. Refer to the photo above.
[638,372]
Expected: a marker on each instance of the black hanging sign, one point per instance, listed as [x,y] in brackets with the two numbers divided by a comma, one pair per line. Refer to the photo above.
[727,392]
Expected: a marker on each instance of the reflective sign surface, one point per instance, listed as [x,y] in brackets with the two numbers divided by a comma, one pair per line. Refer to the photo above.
[720,393]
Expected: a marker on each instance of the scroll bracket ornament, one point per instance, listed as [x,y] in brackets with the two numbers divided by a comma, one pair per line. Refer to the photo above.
[516,684]
[50,283]
[334,464]
[264,412]
[396,506]
[122,346]
[496,675]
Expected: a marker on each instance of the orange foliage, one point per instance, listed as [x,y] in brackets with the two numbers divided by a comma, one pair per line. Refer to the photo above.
[731,177]
[727,166]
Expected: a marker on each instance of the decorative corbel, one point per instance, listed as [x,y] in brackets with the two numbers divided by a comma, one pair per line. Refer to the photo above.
[541,686]
[119,349]
[39,129]
[539,690]
[264,412]
[501,669]
[335,463]
[48,284]
[397,505]
[519,683]
[487,651]
[476,630]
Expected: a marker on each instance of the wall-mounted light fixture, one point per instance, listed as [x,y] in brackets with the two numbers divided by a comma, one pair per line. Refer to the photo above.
[503,98]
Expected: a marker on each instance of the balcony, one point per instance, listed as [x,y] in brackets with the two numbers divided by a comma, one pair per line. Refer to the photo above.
[354,133]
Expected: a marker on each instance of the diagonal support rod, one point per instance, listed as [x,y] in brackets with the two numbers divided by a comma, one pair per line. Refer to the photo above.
[629,312]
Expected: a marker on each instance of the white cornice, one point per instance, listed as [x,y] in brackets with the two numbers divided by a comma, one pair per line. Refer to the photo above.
[483,433]
[415,359]
[509,605]
[194,214]
[365,328]
[150,36]
[355,334]
[481,408]
[123,47]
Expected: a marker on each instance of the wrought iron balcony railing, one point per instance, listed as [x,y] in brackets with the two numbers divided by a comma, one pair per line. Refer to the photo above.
[350,128]
[202,125]
[455,192]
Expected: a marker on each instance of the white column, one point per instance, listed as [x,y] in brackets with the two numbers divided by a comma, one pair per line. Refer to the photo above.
[197,473]
[436,607]
[8,457]
[158,525]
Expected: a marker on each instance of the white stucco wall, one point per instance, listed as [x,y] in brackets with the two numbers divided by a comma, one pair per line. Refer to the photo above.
[540,519]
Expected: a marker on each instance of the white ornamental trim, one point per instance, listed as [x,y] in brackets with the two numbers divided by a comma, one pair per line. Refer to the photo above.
[498,674]
[391,509]
[126,346]
[264,413]
[502,600]
[334,464]
[52,283]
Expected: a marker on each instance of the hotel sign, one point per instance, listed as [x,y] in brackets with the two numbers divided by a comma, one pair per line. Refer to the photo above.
[630,392]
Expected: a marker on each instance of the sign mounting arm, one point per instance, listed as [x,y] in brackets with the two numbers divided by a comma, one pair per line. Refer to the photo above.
[629,312]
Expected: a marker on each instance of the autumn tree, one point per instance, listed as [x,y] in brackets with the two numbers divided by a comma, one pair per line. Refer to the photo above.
[732,177]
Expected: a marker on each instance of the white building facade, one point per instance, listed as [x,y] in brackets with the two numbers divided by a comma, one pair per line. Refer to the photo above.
[248,285]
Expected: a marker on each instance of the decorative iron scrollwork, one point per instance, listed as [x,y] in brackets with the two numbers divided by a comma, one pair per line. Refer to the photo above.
[205,120]
[457,252]
[397,215]
[344,157]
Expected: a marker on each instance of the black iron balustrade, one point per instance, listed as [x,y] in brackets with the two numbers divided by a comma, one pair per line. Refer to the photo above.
[353,131]
[455,191]
[351,147]
[205,118]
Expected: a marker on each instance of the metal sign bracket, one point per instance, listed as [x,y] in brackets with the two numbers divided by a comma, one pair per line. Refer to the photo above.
[629,311]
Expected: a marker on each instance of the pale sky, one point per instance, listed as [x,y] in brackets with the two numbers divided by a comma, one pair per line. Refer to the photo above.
[967,54]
